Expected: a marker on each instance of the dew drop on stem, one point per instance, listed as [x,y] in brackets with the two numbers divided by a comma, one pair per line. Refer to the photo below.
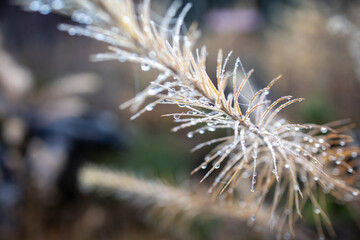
[149,107]
[44,9]
[211,129]
[323,130]
[145,67]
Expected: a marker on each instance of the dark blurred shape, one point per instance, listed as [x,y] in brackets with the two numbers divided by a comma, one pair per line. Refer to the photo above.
[46,135]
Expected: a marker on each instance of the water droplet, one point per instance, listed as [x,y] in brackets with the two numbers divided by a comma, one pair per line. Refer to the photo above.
[297,129]
[176,116]
[266,93]
[126,19]
[204,100]
[317,211]
[190,134]
[203,166]
[342,143]
[315,150]
[87,19]
[145,67]
[275,171]
[286,165]
[146,29]
[217,166]
[303,178]
[122,59]
[253,218]
[57,4]
[99,37]
[355,193]
[287,211]
[44,9]
[72,31]
[154,91]
[34,6]
[321,140]
[211,129]
[152,54]
[323,130]
[316,178]
[188,43]
[354,154]
[149,107]
[350,170]
[338,162]
[171,92]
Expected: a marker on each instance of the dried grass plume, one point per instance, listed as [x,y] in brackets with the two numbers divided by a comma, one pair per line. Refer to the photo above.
[288,162]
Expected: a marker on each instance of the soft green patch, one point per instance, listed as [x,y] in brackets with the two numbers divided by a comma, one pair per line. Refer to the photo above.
[317,109]
[202,230]
[156,154]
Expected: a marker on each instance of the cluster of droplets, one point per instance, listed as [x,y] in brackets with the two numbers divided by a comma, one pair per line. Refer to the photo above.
[291,138]
[84,17]
[45,7]
[97,34]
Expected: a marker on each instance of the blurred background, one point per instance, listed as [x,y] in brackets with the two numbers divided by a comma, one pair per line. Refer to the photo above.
[59,111]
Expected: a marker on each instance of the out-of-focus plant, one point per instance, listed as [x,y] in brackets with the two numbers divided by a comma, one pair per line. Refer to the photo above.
[285,162]
[45,133]
[341,26]
[317,64]
[165,202]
